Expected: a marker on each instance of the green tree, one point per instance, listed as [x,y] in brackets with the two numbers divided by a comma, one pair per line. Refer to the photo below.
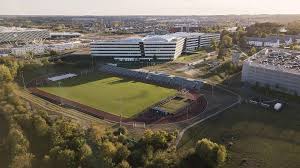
[226,41]
[252,51]
[40,125]
[214,44]
[108,149]
[64,158]
[22,161]
[122,154]
[163,160]
[17,142]
[123,164]
[210,153]
[121,131]
[5,75]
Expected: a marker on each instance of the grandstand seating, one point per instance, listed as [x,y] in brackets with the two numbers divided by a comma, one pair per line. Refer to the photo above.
[159,78]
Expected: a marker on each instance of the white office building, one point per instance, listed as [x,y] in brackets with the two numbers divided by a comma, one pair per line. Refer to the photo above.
[195,41]
[22,35]
[276,68]
[164,47]
[159,47]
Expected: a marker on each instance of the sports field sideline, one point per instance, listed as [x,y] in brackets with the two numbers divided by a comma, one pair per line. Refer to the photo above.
[111,94]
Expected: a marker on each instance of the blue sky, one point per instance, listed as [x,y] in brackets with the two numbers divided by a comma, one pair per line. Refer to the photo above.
[148,7]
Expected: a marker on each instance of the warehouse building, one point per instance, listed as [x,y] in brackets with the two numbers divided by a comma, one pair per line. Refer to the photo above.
[40,49]
[158,47]
[277,69]
[22,35]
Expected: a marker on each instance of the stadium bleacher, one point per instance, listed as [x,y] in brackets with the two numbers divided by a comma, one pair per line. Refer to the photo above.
[159,78]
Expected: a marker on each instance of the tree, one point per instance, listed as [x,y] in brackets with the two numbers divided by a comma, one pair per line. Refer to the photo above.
[108,149]
[22,161]
[121,131]
[211,154]
[5,75]
[40,125]
[214,44]
[53,53]
[157,139]
[11,64]
[85,151]
[252,51]
[263,29]
[62,157]
[163,160]
[226,41]
[121,154]
[17,142]
[123,164]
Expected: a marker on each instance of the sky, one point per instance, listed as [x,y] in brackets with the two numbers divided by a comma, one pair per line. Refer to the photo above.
[148,7]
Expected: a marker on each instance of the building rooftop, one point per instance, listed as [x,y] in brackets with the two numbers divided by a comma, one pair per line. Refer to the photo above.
[160,38]
[16,29]
[274,38]
[277,59]
[65,34]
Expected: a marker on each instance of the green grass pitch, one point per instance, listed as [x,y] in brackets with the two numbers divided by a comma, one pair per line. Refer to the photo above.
[111,94]
[173,105]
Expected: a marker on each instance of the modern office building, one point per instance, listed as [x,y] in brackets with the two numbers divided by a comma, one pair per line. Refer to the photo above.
[159,47]
[195,41]
[22,35]
[164,47]
[275,68]
[64,35]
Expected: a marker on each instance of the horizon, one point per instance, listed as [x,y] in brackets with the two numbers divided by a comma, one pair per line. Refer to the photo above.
[148,8]
[259,14]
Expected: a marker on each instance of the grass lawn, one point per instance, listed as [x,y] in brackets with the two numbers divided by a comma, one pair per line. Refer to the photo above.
[260,138]
[173,105]
[111,94]
[192,57]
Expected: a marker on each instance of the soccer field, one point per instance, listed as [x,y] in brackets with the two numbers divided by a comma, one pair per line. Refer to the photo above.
[111,94]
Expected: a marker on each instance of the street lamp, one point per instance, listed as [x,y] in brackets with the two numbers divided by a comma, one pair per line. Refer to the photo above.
[59,86]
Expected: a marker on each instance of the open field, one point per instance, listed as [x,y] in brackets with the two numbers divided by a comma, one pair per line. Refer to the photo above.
[191,57]
[111,94]
[259,138]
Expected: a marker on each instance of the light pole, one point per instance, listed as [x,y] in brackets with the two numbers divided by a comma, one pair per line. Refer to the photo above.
[59,86]
[22,74]
[212,90]
[120,102]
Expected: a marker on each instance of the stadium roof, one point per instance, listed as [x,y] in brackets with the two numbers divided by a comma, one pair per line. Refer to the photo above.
[65,34]
[16,29]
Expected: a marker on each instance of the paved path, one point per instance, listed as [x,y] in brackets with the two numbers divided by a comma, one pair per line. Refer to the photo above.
[239,99]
